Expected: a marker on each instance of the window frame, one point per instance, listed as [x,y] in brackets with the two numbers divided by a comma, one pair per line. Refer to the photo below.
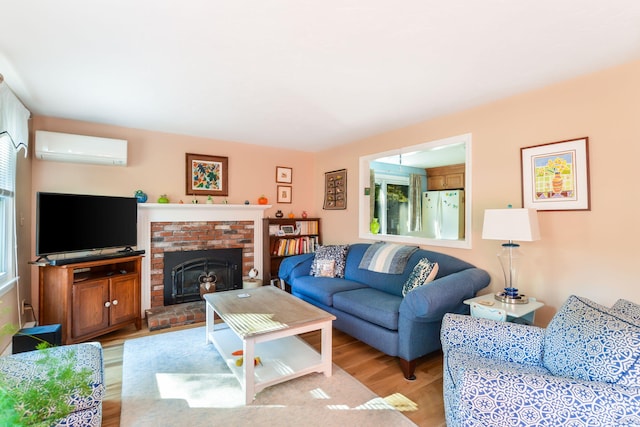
[8,261]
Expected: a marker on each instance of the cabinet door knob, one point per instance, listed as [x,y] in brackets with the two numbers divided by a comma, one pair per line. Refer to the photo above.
[115,302]
[107,304]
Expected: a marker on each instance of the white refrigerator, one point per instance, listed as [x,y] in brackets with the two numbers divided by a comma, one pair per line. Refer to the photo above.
[443,214]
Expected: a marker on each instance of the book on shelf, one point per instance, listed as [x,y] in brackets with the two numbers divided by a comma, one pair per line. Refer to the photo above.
[307,227]
[294,246]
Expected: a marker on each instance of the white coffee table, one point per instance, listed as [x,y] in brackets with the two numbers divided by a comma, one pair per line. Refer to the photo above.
[514,311]
[266,324]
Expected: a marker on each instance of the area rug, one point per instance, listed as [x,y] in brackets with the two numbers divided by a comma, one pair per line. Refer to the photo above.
[175,379]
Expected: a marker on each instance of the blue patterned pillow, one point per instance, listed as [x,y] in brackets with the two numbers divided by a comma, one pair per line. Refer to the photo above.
[325,268]
[337,253]
[587,341]
[424,272]
[628,308]
[632,310]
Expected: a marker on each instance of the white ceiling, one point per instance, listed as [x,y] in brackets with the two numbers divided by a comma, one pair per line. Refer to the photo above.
[300,74]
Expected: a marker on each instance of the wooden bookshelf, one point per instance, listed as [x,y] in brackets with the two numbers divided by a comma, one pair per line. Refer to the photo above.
[276,247]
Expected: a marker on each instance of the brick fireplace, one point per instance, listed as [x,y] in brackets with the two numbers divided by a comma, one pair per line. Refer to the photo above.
[187,236]
[181,227]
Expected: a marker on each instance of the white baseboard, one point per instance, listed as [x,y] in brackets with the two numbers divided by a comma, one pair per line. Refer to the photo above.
[7,351]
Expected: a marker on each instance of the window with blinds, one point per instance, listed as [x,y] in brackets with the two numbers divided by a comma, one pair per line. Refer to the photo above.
[14,134]
[7,234]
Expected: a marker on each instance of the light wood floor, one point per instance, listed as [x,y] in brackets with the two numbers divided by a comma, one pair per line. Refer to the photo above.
[379,372]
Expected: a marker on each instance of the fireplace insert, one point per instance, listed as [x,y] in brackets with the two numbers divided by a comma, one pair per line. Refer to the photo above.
[189,274]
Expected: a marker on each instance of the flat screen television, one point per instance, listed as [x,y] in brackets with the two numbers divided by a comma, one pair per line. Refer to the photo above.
[68,223]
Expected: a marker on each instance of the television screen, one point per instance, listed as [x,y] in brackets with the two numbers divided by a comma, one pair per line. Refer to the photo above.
[76,222]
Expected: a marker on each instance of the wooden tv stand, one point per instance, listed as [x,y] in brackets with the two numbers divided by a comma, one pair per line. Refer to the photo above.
[91,298]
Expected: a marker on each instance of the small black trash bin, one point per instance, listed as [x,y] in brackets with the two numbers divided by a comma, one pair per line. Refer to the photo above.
[27,339]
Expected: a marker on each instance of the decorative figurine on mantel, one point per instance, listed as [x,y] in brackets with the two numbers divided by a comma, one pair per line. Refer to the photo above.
[141,196]
[210,200]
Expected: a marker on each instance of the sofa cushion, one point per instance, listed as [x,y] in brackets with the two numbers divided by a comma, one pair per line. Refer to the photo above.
[588,341]
[371,305]
[475,385]
[628,308]
[631,310]
[424,272]
[322,289]
[459,360]
[337,253]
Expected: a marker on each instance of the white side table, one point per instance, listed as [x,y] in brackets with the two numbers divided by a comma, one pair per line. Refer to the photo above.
[525,312]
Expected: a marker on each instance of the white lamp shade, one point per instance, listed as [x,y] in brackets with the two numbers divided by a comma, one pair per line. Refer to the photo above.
[511,224]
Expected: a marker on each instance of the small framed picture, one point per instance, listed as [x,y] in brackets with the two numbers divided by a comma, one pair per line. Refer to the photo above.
[284,175]
[284,194]
[555,176]
[287,229]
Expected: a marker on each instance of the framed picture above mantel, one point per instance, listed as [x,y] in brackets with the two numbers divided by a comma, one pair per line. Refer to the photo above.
[207,175]
[555,176]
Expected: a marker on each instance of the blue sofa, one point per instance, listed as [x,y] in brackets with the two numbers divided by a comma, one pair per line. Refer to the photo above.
[582,370]
[369,305]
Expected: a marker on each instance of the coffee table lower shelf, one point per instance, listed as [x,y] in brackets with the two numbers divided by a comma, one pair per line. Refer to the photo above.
[282,359]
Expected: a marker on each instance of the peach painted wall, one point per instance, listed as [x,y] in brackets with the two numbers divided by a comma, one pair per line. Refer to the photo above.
[589,253]
[156,164]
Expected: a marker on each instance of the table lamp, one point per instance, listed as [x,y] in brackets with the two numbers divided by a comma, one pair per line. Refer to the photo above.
[510,224]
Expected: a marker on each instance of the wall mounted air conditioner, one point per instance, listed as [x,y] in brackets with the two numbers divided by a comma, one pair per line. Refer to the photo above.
[66,147]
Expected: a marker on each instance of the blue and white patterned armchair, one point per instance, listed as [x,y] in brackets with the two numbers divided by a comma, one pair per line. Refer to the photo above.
[582,370]
[87,411]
